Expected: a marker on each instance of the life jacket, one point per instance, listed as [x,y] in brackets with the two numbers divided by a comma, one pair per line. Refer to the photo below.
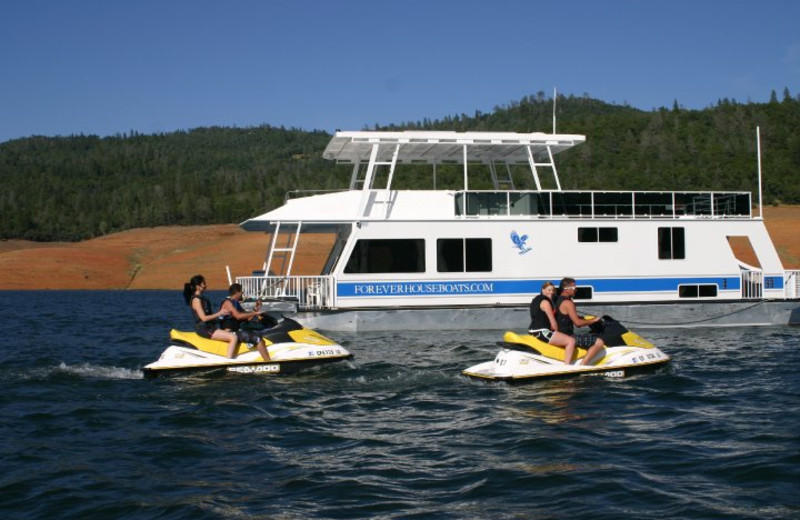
[539,318]
[564,322]
[229,322]
[199,324]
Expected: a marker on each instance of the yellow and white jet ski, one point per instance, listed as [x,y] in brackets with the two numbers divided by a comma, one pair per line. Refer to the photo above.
[524,358]
[291,348]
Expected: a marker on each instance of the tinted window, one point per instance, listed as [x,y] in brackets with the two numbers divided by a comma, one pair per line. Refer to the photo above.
[459,255]
[607,234]
[603,234]
[587,234]
[582,293]
[695,291]
[671,243]
[387,256]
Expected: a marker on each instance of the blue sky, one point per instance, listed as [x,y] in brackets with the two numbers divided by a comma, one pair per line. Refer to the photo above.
[110,66]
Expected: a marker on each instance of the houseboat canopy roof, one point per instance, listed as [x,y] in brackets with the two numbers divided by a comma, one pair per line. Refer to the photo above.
[433,147]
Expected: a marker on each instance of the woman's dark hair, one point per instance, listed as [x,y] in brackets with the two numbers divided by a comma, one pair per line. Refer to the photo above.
[189,288]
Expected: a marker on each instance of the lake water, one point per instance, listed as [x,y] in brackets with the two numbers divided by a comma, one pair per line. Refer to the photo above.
[395,433]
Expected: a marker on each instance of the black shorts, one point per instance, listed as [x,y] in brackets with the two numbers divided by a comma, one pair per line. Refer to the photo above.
[204,330]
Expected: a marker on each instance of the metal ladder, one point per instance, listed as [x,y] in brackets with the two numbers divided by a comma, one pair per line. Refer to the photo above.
[499,183]
[388,198]
[291,249]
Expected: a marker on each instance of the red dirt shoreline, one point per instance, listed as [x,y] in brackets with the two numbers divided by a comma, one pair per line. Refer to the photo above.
[166,257]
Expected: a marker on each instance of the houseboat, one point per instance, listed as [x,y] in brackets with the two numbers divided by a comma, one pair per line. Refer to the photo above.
[445,255]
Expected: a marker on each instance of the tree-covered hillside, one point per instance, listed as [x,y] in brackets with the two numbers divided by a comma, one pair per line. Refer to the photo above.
[71,188]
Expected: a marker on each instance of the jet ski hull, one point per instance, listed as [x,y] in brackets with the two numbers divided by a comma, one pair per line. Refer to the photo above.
[172,365]
[524,358]
[529,370]
[291,349]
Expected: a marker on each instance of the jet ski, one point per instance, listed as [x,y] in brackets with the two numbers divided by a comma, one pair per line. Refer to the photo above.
[524,358]
[291,347]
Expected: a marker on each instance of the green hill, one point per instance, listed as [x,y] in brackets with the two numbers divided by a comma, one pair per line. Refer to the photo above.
[72,188]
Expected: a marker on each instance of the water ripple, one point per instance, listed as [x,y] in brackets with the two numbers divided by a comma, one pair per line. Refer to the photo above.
[396,432]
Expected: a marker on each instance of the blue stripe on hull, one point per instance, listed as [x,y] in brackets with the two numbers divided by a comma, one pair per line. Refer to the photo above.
[516,287]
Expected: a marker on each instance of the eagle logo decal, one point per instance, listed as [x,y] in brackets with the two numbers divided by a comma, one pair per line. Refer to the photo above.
[519,242]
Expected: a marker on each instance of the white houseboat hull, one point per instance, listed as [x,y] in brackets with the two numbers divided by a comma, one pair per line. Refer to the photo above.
[660,315]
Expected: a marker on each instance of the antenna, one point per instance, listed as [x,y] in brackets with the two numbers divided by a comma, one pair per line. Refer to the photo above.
[554,110]
[758,149]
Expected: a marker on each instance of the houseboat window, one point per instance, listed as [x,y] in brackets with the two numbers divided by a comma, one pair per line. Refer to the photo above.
[653,204]
[735,204]
[613,204]
[572,203]
[387,256]
[697,291]
[597,234]
[582,293]
[482,203]
[693,204]
[463,255]
[529,203]
[671,243]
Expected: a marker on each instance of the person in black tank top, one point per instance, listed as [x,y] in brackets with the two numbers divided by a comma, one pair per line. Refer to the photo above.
[543,322]
[567,319]
[237,315]
[205,322]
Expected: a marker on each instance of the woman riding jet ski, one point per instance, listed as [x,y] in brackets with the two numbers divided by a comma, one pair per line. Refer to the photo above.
[220,345]
[291,347]
[524,358]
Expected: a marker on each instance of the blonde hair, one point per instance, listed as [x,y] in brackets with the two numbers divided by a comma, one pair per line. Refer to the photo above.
[545,285]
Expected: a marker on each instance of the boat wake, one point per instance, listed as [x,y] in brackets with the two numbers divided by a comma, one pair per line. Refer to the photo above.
[99,372]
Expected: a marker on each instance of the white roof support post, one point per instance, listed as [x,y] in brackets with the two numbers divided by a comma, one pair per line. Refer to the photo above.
[760,193]
[553,166]
[392,166]
[532,163]
[387,193]
[371,165]
[466,180]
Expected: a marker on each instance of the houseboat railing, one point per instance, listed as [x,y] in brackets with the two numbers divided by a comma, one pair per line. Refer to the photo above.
[310,292]
[791,283]
[603,204]
[752,285]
